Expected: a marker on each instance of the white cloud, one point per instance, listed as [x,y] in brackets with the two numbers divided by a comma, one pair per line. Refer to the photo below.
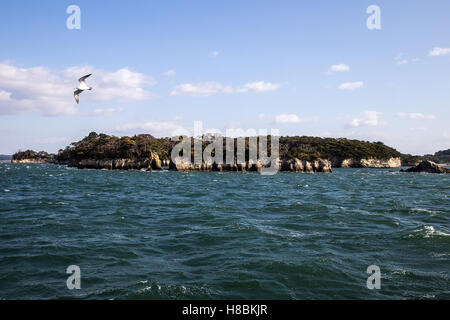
[351,85]
[293,118]
[215,53]
[437,51]
[338,68]
[261,116]
[5,96]
[107,112]
[38,89]
[416,116]
[399,56]
[261,86]
[369,118]
[123,84]
[155,128]
[209,88]
[400,59]
[199,89]
[169,73]
[287,118]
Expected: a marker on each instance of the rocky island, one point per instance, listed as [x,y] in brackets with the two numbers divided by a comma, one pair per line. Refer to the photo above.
[145,152]
[30,156]
[427,167]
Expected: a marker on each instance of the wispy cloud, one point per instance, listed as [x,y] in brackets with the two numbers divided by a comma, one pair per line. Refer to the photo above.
[169,73]
[338,68]
[155,128]
[351,85]
[261,86]
[404,61]
[215,53]
[400,59]
[369,118]
[210,88]
[437,51]
[38,89]
[292,118]
[416,116]
[287,118]
[107,112]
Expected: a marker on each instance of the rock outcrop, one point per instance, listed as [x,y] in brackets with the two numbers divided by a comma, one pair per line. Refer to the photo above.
[165,163]
[427,166]
[291,165]
[151,163]
[31,161]
[367,163]
[31,156]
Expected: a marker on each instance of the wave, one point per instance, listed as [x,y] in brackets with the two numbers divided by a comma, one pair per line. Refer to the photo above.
[421,210]
[427,232]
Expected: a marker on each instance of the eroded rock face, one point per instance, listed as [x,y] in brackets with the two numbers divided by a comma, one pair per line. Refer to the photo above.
[30,161]
[291,165]
[427,166]
[165,163]
[369,163]
[151,163]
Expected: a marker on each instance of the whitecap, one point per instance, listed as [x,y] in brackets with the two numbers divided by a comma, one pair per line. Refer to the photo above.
[428,232]
[425,211]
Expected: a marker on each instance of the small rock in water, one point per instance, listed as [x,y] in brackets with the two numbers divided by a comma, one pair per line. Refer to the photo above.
[427,166]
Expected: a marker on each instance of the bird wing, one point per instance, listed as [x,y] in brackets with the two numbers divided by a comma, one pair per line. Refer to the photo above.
[76,95]
[85,77]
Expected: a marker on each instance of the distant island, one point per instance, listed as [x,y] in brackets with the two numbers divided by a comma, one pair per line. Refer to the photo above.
[441,157]
[301,154]
[306,154]
[31,156]
[4,157]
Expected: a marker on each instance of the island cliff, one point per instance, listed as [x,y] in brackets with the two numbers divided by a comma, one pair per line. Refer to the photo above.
[393,162]
[292,165]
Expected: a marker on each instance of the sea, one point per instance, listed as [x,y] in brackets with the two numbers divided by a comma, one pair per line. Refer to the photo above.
[212,235]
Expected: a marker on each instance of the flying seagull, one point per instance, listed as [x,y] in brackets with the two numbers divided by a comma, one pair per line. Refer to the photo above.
[81,87]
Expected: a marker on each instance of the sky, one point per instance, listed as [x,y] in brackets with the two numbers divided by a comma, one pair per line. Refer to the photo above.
[303,67]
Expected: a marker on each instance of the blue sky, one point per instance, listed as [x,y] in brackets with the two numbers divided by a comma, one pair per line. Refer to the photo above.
[303,67]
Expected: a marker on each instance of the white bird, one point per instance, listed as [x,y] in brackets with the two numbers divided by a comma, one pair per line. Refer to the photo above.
[81,87]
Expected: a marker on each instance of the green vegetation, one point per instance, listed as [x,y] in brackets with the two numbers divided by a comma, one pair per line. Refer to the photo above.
[102,146]
[33,155]
[439,157]
[311,148]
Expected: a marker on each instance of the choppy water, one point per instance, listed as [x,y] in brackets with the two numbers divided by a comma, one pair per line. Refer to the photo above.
[174,235]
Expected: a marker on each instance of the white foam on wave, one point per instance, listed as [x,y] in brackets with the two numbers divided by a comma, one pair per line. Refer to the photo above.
[425,211]
[429,232]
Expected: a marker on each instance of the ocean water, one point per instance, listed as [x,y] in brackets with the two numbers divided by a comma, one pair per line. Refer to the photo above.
[173,235]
